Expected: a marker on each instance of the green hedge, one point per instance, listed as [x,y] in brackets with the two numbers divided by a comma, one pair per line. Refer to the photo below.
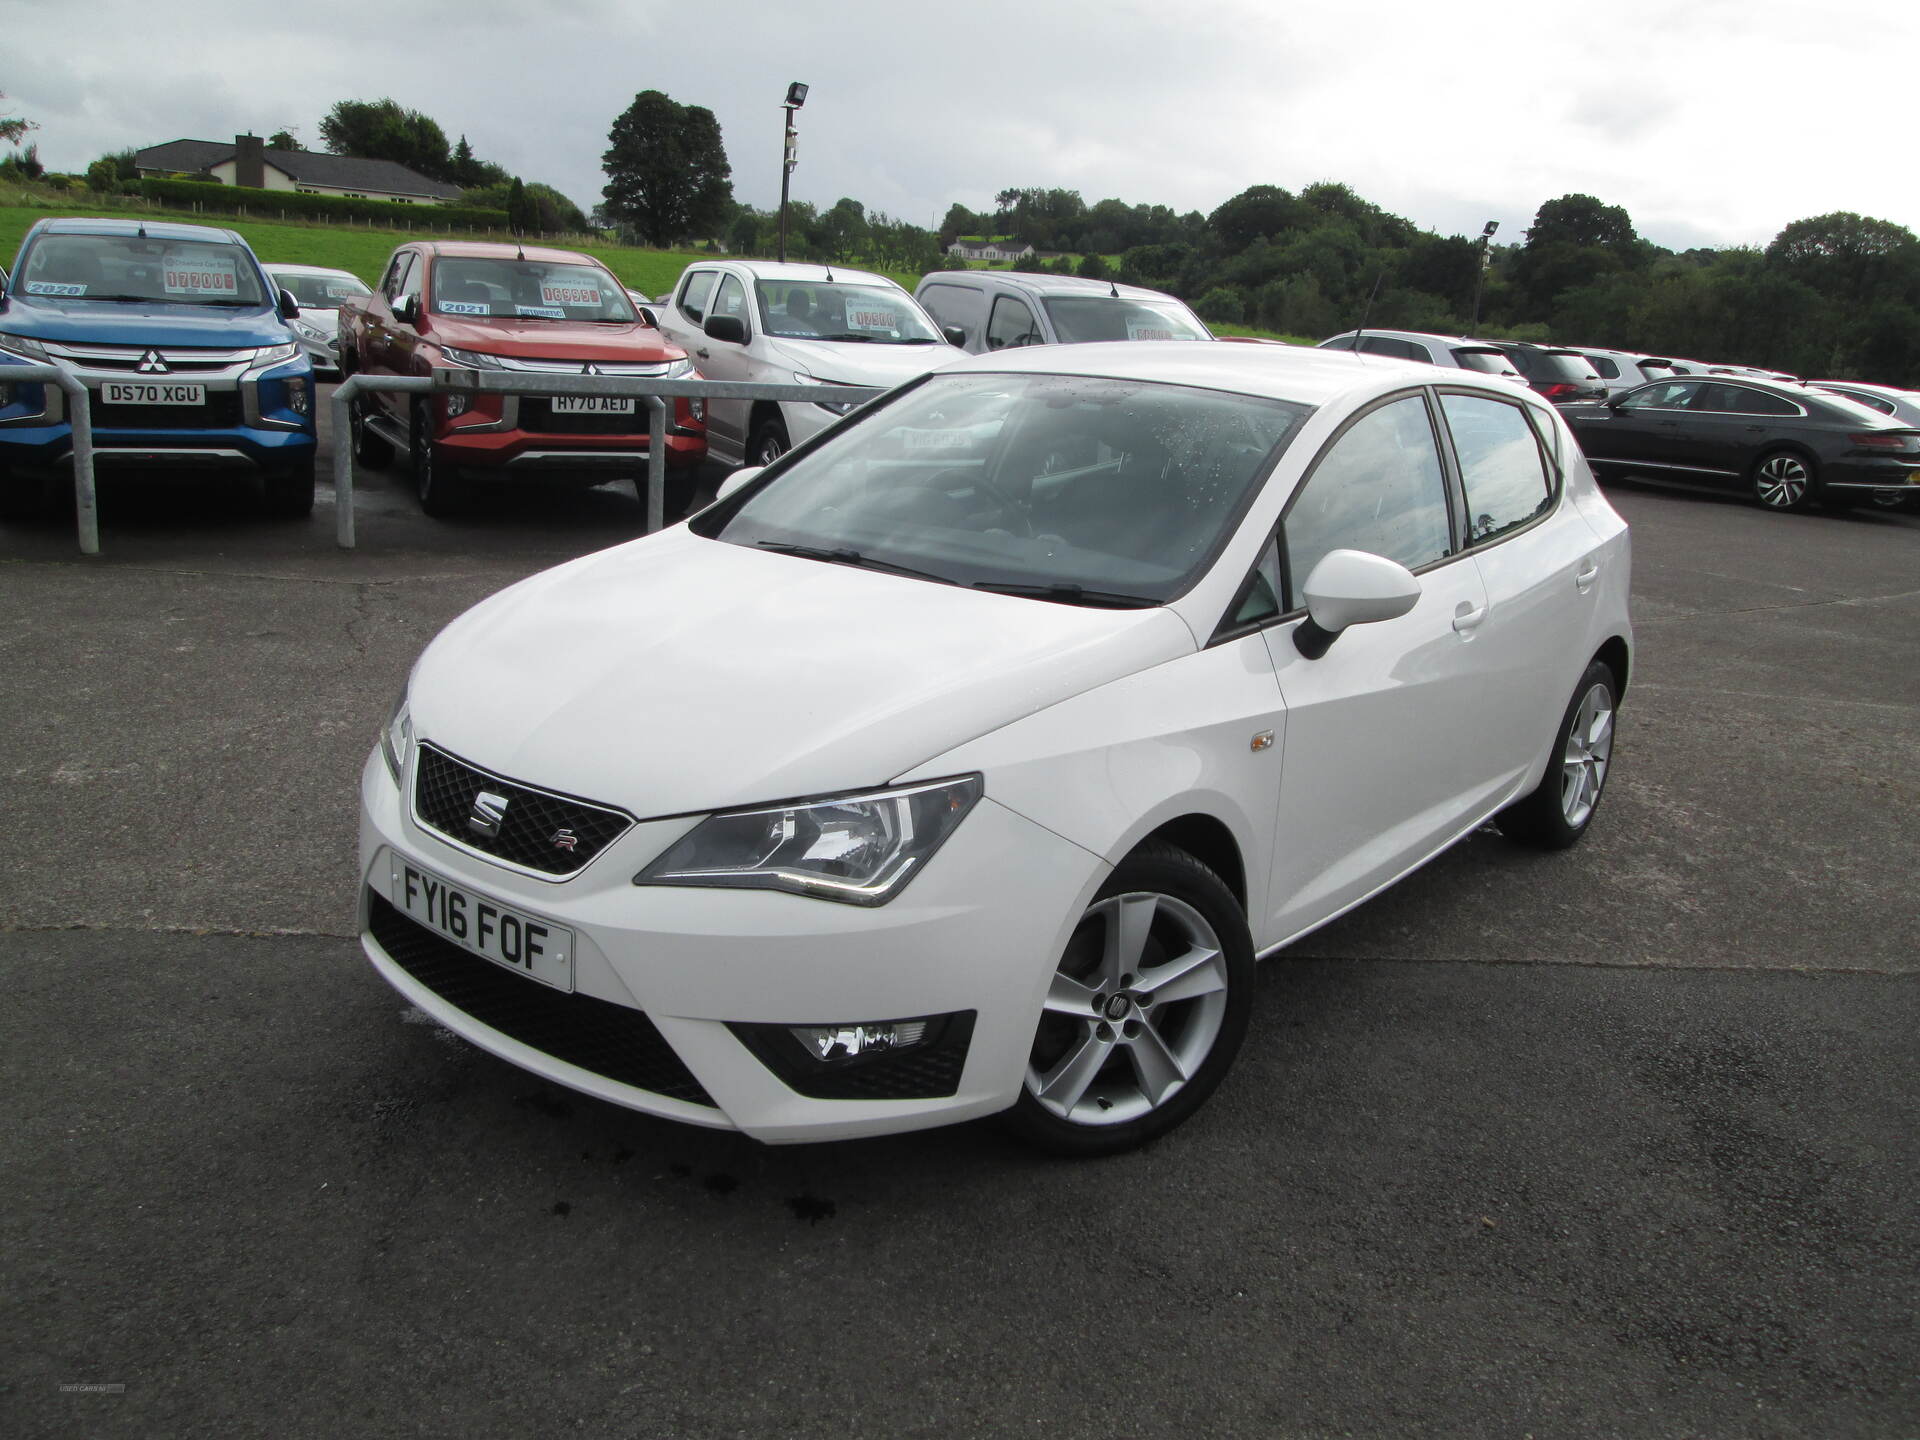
[272,204]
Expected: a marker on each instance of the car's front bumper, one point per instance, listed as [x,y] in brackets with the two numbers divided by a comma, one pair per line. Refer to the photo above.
[977,933]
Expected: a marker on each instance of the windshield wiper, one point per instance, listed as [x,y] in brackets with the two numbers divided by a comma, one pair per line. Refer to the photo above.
[845,556]
[126,299]
[1071,594]
[856,339]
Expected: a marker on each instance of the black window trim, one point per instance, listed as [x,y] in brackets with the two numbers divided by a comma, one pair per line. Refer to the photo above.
[1225,631]
[1005,297]
[686,284]
[1556,479]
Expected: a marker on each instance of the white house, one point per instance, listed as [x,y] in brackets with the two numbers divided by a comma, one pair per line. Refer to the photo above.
[245,160]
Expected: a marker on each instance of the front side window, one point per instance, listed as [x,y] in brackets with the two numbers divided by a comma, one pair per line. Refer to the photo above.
[527,289]
[693,295]
[1378,488]
[1012,325]
[127,267]
[1501,467]
[731,299]
[1076,489]
[1081,319]
[855,314]
[1665,395]
[396,274]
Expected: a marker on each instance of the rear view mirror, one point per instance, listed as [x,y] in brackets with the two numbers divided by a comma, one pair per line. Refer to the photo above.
[955,335]
[1351,587]
[730,328]
[734,481]
[289,307]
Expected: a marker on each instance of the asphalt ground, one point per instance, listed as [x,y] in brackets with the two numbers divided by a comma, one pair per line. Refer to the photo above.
[1618,1142]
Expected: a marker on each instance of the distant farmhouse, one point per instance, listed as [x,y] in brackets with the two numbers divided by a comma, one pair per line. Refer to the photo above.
[245,160]
[971,247]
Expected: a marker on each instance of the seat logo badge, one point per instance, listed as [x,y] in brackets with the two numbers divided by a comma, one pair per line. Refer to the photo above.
[489,810]
[152,364]
[564,839]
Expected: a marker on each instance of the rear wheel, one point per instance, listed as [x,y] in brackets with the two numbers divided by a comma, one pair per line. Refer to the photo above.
[1783,480]
[288,493]
[439,486]
[1561,807]
[1145,1012]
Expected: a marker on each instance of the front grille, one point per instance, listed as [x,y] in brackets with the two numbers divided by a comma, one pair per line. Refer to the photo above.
[536,415]
[926,1072]
[537,824]
[611,1040]
[221,412]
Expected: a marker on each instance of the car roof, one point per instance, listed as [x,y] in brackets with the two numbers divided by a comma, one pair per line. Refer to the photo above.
[1413,335]
[500,250]
[1036,283]
[813,270]
[278,267]
[152,229]
[1303,374]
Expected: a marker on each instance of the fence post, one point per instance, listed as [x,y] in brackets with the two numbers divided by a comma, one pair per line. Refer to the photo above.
[656,463]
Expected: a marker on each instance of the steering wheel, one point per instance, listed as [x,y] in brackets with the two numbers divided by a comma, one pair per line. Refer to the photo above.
[1011,507]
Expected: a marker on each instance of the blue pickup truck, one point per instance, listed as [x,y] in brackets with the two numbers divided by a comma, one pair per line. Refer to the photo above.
[183,343]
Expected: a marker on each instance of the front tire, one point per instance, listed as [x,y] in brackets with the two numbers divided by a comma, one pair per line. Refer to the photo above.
[1146,1010]
[436,483]
[288,494]
[1783,480]
[769,441]
[1562,806]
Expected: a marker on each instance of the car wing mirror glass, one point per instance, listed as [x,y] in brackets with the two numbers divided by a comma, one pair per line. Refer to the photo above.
[737,479]
[404,309]
[956,336]
[730,328]
[1352,587]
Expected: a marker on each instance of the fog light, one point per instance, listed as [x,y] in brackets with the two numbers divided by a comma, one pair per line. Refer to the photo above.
[457,405]
[844,1042]
[697,408]
[298,396]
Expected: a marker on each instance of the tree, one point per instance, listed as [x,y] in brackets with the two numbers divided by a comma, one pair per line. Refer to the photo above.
[1093,266]
[382,130]
[14,127]
[1581,220]
[667,171]
[522,214]
[1258,212]
[283,139]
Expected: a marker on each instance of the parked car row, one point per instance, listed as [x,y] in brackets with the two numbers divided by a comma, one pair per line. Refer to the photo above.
[1787,444]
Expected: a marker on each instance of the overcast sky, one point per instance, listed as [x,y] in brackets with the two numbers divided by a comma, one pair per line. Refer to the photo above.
[1714,122]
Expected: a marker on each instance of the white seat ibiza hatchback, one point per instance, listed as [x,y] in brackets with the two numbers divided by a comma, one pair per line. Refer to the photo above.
[965,760]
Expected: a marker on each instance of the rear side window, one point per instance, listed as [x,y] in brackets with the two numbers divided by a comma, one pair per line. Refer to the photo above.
[1872,402]
[1606,368]
[1501,467]
[693,299]
[1382,345]
[1339,342]
[1378,487]
[1758,402]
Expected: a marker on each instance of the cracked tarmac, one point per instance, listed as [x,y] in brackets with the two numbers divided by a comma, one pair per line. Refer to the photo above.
[1619,1141]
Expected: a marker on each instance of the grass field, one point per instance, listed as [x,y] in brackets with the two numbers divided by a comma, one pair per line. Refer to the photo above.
[363,252]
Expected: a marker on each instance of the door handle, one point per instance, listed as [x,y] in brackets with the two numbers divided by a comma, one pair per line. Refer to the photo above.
[702,354]
[1467,617]
[1587,575]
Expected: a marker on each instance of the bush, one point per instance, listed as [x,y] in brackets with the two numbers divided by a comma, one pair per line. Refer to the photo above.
[104,175]
[1222,304]
[265,204]
[1093,266]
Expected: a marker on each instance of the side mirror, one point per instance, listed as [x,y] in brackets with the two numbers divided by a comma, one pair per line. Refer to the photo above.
[647,317]
[407,309]
[955,335]
[1351,587]
[734,481]
[289,307]
[730,328]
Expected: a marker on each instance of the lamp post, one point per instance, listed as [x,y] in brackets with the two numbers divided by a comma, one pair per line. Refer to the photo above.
[1480,272]
[796,97]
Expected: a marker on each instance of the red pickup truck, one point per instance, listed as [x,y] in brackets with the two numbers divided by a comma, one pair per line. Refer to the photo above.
[525,310]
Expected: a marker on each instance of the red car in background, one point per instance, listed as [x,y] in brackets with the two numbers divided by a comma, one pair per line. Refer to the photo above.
[523,310]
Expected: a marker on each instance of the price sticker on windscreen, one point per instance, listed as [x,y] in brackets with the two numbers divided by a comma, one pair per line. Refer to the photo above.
[868,316]
[1143,329]
[213,275]
[569,292]
[341,292]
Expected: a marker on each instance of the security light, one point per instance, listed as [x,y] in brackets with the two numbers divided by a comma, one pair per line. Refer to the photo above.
[796,94]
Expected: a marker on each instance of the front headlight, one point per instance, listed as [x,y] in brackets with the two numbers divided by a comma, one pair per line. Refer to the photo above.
[832,407]
[312,332]
[25,346]
[395,736]
[274,354]
[677,369]
[470,359]
[858,849]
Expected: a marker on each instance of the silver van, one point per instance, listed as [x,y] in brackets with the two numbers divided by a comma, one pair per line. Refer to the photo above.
[1456,351]
[1005,309]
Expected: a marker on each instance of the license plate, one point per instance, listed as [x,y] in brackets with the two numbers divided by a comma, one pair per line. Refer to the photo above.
[148,392]
[522,943]
[593,404]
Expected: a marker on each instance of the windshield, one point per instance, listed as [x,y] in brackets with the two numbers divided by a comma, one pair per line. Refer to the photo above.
[1081,318]
[1071,488]
[320,292]
[128,267]
[818,310]
[537,289]
[1487,362]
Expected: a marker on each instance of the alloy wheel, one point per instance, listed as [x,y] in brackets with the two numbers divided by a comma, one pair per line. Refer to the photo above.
[1781,482]
[1583,768]
[1132,1013]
